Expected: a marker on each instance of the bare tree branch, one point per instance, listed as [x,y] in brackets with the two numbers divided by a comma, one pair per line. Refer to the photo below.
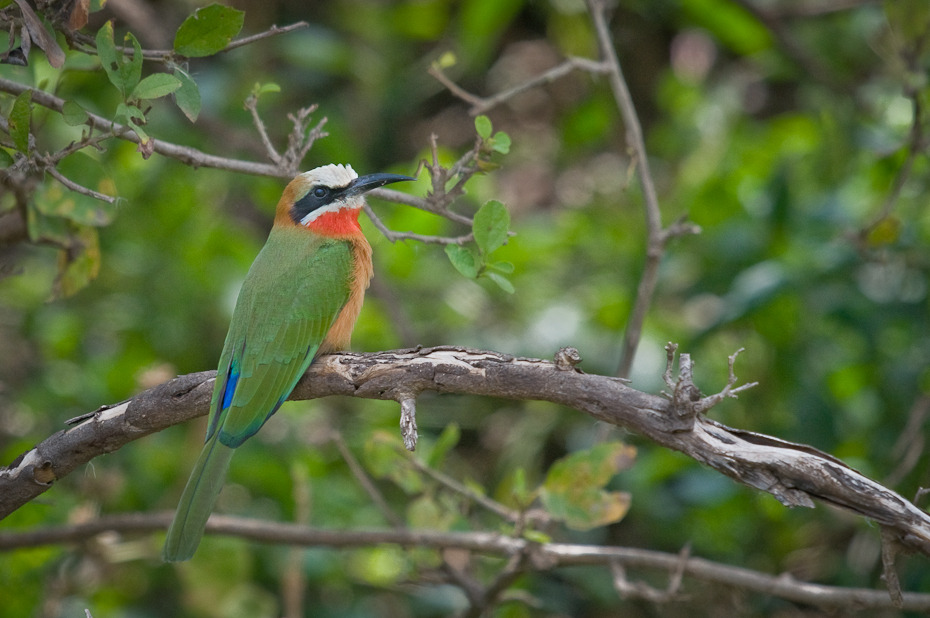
[187,155]
[540,556]
[88,45]
[480,105]
[658,237]
[795,474]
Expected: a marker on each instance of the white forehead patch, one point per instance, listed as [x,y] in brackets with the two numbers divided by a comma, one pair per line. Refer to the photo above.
[331,175]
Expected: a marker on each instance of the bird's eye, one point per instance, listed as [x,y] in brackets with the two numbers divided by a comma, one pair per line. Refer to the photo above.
[319,192]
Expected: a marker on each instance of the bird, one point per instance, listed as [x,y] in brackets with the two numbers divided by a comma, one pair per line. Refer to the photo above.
[300,298]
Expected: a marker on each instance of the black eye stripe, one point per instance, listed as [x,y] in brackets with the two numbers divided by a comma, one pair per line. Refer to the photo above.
[317,197]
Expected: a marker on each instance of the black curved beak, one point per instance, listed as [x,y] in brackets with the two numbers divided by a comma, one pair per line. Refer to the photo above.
[373,181]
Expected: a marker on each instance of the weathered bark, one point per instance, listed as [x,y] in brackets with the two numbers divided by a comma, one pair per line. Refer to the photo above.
[795,474]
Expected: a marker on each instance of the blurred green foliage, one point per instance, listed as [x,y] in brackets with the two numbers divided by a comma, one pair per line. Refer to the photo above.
[784,155]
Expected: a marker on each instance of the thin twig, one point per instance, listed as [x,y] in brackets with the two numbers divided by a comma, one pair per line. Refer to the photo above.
[784,35]
[365,481]
[294,579]
[915,148]
[634,136]
[187,155]
[270,32]
[73,186]
[86,43]
[549,555]
[251,104]
[393,236]
[481,105]
[450,483]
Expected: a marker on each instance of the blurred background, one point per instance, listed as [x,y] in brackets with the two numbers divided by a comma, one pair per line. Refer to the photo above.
[782,128]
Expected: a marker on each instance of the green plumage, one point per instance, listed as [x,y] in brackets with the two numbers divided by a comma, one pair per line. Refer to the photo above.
[290,298]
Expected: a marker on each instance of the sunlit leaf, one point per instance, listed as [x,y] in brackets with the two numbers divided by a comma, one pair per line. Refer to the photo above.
[269,87]
[446,60]
[483,126]
[501,142]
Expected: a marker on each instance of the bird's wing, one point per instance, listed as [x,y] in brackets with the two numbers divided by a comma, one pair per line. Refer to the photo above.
[282,315]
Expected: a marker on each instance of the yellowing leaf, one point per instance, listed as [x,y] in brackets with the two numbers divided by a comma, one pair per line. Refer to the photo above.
[573,491]
[78,264]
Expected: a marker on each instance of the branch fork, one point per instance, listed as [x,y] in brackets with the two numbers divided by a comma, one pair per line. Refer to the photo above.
[687,400]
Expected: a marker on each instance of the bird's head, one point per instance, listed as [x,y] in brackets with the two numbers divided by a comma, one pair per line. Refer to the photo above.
[328,199]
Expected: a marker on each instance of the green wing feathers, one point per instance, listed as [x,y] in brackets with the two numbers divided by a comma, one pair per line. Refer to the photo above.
[282,315]
[293,293]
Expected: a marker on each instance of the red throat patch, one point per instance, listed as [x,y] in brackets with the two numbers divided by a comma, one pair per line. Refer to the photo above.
[342,222]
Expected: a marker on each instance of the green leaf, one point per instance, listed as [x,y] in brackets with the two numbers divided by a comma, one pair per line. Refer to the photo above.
[6,159]
[490,226]
[463,259]
[133,117]
[502,267]
[20,121]
[155,86]
[187,96]
[131,70]
[129,115]
[384,459]
[73,114]
[261,89]
[501,281]
[536,536]
[483,126]
[501,142]
[446,60]
[523,496]
[573,490]
[124,73]
[109,59]
[447,440]
[208,31]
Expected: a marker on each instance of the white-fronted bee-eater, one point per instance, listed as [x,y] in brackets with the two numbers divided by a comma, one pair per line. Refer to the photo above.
[300,299]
